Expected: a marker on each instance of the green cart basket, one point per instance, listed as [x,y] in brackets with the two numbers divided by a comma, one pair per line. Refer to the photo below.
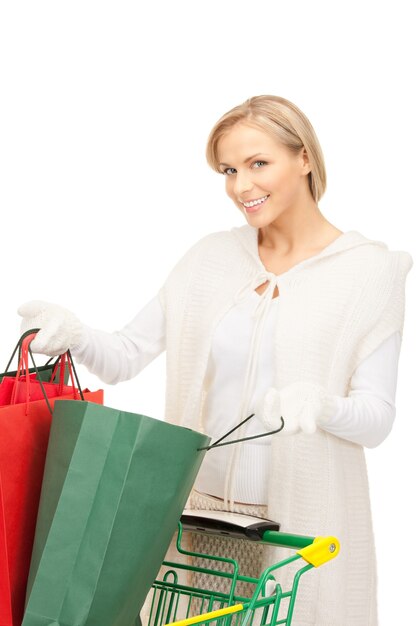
[177,604]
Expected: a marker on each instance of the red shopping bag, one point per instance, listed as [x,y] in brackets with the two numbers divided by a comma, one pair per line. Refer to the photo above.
[25,387]
[24,434]
[5,606]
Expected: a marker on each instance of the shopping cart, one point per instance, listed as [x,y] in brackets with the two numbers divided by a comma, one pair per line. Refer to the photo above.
[177,603]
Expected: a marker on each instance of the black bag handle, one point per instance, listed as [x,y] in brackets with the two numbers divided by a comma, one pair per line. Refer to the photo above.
[19,347]
[217,443]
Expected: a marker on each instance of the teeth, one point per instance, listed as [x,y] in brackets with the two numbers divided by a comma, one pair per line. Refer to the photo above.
[259,201]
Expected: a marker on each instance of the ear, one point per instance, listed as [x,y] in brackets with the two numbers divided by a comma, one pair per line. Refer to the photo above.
[304,160]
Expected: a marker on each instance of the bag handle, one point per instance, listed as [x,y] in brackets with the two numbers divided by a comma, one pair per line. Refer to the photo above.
[61,362]
[23,366]
[217,443]
[19,347]
[24,350]
[68,360]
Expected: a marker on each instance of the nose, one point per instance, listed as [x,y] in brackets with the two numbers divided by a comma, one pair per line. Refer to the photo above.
[242,183]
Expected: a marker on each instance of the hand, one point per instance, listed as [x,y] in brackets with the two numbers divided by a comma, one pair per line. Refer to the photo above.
[60,329]
[302,404]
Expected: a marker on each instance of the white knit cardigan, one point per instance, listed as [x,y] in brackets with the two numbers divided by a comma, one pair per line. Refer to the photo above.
[336,308]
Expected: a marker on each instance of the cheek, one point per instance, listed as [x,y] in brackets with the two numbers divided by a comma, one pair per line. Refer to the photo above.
[229,187]
[282,180]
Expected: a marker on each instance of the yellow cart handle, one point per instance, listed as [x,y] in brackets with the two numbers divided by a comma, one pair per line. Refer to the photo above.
[322,549]
[198,619]
[314,550]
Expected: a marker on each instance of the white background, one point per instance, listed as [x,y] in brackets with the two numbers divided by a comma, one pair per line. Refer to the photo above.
[105,112]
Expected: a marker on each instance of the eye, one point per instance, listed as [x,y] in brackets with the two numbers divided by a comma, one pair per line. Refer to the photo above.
[264,162]
[226,169]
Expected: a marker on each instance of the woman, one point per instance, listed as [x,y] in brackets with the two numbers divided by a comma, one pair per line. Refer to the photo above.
[285,315]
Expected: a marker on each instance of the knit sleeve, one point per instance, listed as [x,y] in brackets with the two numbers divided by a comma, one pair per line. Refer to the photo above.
[121,355]
[366,415]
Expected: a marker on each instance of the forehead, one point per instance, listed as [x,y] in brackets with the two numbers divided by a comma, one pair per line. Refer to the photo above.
[243,140]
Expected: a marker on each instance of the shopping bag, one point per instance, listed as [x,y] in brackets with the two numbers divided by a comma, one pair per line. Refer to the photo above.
[5,605]
[24,433]
[27,387]
[114,488]
[46,372]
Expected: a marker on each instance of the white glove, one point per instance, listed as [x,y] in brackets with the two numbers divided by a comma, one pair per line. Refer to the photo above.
[303,405]
[60,329]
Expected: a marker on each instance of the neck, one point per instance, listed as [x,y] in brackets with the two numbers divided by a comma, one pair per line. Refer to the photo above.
[302,230]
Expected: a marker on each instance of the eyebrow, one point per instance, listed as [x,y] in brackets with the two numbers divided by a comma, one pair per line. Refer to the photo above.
[248,159]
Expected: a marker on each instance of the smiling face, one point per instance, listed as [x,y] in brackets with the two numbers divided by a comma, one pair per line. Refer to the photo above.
[263,178]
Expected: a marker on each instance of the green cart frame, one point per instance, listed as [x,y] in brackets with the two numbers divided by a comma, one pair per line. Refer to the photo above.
[177,604]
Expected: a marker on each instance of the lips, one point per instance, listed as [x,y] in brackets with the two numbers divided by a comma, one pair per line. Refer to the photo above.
[255,207]
[263,198]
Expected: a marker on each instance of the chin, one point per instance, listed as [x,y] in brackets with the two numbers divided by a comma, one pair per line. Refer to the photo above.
[261,220]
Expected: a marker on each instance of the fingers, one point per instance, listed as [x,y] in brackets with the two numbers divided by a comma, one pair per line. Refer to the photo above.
[307,420]
[268,409]
[32,308]
[45,340]
[291,406]
[291,424]
[299,403]
[59,328]
[310,414]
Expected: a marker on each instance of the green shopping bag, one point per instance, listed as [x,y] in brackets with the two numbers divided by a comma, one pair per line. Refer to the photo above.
[115,486]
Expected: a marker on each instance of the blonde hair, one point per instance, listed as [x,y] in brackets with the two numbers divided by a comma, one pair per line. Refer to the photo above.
[281,119]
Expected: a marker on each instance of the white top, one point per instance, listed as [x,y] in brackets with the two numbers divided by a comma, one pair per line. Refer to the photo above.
[365,416]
